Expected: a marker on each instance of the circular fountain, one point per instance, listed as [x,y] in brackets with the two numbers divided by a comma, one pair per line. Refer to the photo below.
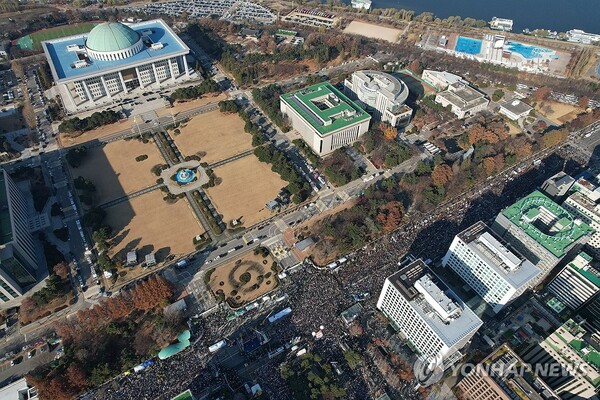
[185,176]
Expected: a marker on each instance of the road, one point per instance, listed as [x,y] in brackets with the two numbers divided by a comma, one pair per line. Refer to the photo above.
[9,373]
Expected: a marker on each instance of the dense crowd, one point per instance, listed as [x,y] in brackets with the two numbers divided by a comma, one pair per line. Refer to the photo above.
[318,297]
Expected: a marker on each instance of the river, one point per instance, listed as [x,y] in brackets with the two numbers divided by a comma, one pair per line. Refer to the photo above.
[556,15]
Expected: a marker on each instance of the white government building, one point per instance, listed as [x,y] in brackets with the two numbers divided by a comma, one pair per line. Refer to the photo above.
[515,109]
[380,94]
[464,100]
[440,79]
[324,117]
[113,59]
[496,273]
[427,313]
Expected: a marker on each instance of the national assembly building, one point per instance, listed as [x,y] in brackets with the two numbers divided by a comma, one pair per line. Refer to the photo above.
[113,59]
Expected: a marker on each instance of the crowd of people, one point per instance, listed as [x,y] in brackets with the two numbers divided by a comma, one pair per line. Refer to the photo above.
[317,298]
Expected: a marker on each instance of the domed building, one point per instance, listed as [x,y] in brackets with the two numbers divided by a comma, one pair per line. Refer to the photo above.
[115,59]
[381,94]
[113,41]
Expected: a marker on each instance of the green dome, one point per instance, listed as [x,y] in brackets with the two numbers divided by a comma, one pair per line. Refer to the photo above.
[111,36]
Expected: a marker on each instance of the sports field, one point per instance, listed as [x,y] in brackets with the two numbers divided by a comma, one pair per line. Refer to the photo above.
[149,224]
[247,186]
[114,170]
[373,31]
[33,41]
[217,134]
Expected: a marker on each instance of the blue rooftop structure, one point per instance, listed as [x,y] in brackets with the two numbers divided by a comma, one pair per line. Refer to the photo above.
[63,53]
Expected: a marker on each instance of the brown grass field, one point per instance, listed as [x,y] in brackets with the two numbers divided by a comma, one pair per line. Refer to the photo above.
[148,224]
[114,170]
[124,124]
[373,31]
[226,279]
[558,113]
[218,135]
[247,186]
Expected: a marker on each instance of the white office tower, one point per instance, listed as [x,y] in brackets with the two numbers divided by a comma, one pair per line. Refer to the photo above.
[542,231]
[583,204]
[577,282]
[425,311]
[498,274]
[381,94]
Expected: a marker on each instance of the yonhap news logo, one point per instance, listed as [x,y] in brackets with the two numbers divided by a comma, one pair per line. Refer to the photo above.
[428,370]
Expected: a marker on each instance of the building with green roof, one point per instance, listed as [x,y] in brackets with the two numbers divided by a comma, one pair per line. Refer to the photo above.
[577,282]
[570,348]
[18,257]
[542,231]
[187,395]
[325,118]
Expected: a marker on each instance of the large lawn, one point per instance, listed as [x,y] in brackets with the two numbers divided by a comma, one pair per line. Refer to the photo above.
[149,224]
[247,185]
[218,135]
[114,170]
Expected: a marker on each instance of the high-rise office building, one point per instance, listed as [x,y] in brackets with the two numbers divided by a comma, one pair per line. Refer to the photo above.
[542,231]
[498,274]
[586,209]
[577,282]
[18,258]
[427,313]
[590,312]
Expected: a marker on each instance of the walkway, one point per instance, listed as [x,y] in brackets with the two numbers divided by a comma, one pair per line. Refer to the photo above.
[231,159]
[132,195]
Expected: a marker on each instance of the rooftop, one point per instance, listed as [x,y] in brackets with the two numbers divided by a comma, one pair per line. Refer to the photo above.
[62,58]
[516,107]
[325,108]
[388,85]
[507,262]
[463,96]
[465,92]
[575,337]
[433,300]
[547,223]
[446,76]
[581,264]
[505,368]
[561,178]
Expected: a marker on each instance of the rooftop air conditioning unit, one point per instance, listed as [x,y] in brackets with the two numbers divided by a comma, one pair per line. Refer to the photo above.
[157,46]
[80,64]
